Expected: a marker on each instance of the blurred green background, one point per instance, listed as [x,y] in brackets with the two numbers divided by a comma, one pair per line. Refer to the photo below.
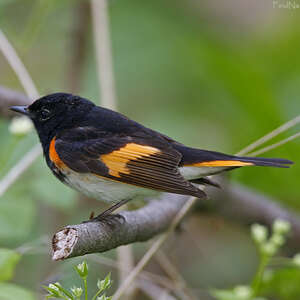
[215,75]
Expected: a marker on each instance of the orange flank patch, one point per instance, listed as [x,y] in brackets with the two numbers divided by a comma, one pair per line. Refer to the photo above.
[54,157]
[220,163]
[117,160]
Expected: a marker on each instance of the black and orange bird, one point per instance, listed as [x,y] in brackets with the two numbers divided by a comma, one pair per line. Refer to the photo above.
[105,155]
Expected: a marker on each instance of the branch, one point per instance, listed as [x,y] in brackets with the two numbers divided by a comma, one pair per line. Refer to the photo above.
[234,201]
[246,206]
[100,19]
[17,65]
[269,136]
[8,98]
[19,168]
[78,45]
[122,229]
[154,291]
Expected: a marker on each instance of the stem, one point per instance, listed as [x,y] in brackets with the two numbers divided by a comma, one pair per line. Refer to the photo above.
[275,145]
[97,294]
[100,19]
[270,135]
[16,64]
[9,152]
[15,172]
[260,272]
[85,289]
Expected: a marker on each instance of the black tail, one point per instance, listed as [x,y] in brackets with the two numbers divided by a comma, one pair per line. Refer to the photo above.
[266,162]
[197,157]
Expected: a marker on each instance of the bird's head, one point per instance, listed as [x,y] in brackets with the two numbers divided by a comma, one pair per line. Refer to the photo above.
[56,112]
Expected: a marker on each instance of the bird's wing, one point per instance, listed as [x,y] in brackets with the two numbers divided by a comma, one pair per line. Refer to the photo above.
[144,162]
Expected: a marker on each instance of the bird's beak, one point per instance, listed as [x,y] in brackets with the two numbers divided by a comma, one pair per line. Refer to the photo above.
[22,109]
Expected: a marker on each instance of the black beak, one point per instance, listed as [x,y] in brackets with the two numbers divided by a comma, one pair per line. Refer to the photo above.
[22,109]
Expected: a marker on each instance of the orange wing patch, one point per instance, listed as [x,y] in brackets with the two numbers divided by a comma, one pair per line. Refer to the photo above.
[221,163]
[53,155]
[117,160]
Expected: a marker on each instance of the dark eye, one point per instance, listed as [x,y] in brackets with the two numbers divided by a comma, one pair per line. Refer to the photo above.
[45,114]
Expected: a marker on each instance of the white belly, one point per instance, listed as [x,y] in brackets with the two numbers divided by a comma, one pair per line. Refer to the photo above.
[104,189]
[113,191]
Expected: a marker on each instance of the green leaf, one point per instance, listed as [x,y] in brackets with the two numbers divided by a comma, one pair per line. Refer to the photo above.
[104,297]
[283,284]
[53,292]
[63,290]
[9,291]
[8,262]
[105,283]
[82,269]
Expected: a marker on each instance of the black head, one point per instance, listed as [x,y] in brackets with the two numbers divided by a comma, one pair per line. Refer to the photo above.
[56,112]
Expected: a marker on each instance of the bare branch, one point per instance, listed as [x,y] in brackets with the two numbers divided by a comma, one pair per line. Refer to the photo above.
[19,168]
[8,98]
[246,206]
[103,53]
[270,135]
[125,228]
[275,145]
[78,45]
[154,291]
[174,274]
[16,64]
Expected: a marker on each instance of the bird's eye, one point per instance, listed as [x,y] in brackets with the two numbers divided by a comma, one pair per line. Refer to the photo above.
[45,114]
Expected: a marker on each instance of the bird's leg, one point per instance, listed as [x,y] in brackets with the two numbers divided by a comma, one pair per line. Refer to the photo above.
[112,209]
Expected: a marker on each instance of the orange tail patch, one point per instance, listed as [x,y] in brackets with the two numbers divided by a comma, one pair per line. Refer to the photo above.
[221,163]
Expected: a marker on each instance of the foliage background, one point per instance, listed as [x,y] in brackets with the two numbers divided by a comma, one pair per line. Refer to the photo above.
[209,74]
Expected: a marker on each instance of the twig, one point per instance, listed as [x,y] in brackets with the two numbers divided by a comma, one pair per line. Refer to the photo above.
[15,172]
[126,264]
[18,67]
[270,135]
[245,206]
[8,98]
[154,291]
[276,145]
[103,52]
[145,275]
[78,45]
[173,273]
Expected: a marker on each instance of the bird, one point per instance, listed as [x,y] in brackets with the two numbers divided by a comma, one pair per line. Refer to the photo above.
[105,155]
